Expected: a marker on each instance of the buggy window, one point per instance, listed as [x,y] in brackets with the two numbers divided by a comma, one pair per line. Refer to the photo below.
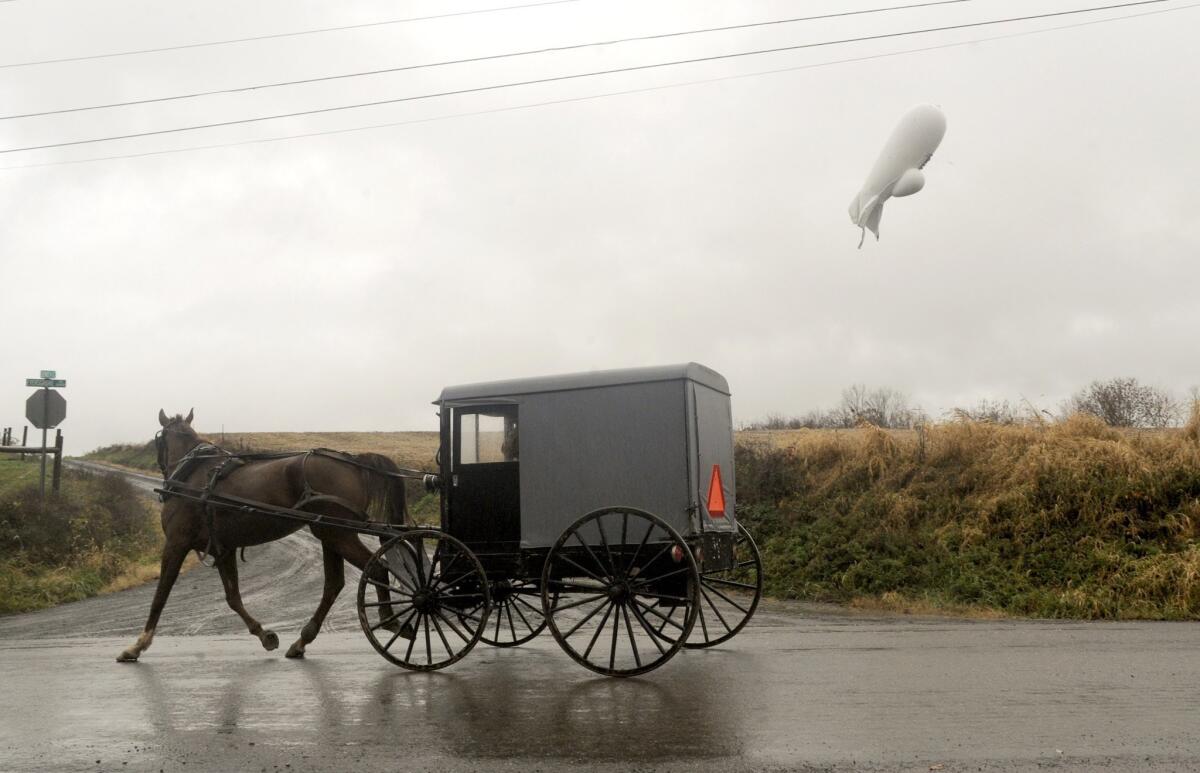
[486,435]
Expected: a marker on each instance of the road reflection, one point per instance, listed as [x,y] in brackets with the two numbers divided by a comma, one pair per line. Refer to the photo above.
[513,705]
[506,709]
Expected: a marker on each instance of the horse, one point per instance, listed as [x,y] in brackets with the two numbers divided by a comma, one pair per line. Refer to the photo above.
[322,482]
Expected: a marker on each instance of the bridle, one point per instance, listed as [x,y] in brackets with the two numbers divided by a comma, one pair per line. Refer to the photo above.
[160,446]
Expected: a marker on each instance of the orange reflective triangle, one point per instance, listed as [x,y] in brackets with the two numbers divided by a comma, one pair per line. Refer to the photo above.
[716,494]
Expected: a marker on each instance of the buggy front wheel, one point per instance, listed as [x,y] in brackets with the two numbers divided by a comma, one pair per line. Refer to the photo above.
[606,584]
[431,600]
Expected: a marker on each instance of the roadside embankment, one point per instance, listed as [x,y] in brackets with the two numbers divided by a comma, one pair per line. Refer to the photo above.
[97,535]
[1070,519]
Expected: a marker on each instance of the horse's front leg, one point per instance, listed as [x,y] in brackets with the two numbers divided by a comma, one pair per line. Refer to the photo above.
[227,566]
[172,559]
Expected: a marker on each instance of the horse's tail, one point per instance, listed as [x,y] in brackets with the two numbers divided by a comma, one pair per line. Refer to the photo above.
[385,493]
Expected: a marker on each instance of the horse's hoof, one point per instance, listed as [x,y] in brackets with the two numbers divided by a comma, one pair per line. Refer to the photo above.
[270,640]
[406,631]
[127,657]
[295,651]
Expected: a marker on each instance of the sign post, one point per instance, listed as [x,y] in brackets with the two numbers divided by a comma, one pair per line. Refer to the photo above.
[45,410]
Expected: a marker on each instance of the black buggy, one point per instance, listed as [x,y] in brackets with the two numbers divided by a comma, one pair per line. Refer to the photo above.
[598,505]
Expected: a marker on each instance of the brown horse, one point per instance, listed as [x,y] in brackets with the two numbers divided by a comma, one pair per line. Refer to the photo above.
[337,485]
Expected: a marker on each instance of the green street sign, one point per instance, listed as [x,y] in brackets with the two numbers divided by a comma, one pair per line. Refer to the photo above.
[46,382]
[49,374]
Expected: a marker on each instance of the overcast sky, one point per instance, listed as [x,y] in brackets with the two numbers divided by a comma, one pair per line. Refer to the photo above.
[338,282]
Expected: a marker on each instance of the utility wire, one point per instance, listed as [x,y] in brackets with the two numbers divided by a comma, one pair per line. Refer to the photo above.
[282,34]
[625,92]
[474,59]
[576,76]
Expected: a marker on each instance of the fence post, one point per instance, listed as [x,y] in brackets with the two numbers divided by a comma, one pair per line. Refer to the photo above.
[24,439]
[57,461]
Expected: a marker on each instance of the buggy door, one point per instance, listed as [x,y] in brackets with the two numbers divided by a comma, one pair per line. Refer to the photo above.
[485,491]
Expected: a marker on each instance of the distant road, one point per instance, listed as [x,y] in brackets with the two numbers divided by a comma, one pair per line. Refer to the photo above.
[144,482]
[803,688]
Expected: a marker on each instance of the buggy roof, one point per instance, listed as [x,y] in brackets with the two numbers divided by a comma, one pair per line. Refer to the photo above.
[690,371]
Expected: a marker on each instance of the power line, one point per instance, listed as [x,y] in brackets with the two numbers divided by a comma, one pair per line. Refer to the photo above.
[476,59]
[625,92]
[277,35]
[568,100]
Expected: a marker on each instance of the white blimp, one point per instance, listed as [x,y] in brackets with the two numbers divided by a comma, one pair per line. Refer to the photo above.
[897,171]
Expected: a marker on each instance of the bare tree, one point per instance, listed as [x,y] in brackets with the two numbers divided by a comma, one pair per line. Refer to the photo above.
[1123,402]
[990,411]
[883,407]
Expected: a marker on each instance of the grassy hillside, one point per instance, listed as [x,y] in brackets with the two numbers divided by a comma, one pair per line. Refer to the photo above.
[1063,520]
[98,534]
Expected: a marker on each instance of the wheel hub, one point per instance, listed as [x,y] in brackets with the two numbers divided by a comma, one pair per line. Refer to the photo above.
[425,601]
[620,592]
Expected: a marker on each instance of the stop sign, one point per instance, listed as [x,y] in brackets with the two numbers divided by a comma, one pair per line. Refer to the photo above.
[45,409]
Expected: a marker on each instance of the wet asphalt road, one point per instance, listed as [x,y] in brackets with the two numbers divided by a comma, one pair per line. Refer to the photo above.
[804,687]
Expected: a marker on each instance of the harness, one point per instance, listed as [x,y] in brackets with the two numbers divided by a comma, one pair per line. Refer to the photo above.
[198,455]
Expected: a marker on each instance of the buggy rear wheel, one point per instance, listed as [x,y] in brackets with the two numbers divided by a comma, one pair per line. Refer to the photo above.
[728,597]
[436,602]
[605,584]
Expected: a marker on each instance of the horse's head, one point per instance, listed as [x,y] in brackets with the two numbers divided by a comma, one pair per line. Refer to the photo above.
[174,440]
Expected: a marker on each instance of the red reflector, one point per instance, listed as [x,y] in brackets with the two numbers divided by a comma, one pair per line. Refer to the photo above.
[716,494]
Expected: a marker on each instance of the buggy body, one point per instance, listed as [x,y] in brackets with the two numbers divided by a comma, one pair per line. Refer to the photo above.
[523,459]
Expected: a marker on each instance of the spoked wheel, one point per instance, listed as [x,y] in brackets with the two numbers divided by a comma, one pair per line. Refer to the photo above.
[517,609]
[436,600]
[606,584]
[728,597]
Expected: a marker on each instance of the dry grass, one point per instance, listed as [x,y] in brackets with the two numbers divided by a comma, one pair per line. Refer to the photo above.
[408,449]
[144,571]
[1065,519]
[898,603]
[1191,430]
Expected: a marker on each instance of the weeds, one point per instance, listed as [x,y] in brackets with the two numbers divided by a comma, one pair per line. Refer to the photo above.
[93,533]
[1072,519]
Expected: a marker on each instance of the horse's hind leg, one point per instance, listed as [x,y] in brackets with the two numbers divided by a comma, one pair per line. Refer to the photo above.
[335,579]
[227,566]
[172,559]
[359,554]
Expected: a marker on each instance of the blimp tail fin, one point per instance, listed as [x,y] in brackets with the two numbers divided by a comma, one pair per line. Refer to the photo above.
[873,219]
[865,212]
[861,208]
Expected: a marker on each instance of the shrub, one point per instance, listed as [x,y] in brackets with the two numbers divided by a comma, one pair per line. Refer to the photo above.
[1123,402]
[92,513]
[1065,520]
